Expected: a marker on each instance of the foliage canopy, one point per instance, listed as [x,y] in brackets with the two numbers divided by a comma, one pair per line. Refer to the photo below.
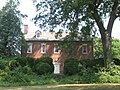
[81,16]
[11,37]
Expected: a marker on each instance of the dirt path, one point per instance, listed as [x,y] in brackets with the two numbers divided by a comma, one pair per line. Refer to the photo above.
[67,87]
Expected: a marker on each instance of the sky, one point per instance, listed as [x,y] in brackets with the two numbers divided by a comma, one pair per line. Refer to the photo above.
[27,7]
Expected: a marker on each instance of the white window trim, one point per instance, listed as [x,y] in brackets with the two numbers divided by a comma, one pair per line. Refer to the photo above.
[37,34]
[30,45]
[55,49]
[42,48]
[83,49]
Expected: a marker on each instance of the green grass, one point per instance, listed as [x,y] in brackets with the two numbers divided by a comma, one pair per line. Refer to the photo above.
[67,87]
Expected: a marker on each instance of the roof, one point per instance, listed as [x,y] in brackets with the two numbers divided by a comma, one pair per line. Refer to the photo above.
[46,36]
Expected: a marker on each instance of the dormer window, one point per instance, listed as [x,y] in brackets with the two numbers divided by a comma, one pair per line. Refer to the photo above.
[37,34]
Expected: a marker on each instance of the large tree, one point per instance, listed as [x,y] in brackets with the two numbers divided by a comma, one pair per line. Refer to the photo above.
[81,16]
[11,36]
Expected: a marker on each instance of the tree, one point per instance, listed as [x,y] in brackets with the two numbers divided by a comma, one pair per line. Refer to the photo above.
[116,48]
[98,52]
[11,37]
[72,14]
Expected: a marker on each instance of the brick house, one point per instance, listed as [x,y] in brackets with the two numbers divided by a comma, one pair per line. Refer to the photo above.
[45,44]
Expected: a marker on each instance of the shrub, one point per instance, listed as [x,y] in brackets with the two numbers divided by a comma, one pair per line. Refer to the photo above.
[12,64]
[19,77]
[2,64]
[31,62]
[20,74]
[71,66]
[34,63]
[4,75]
[22,61]
[92,63]
[88,76]
[111,75]
[43,68]
[47,60]
[26,70]
[27,61]
[116,61]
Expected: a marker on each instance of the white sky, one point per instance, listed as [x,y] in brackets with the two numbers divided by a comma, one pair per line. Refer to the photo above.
[26,7]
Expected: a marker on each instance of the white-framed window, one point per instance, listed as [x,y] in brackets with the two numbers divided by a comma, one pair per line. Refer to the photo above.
[37,35]
[84,49]
[29,49]
[56,48]
[43,47]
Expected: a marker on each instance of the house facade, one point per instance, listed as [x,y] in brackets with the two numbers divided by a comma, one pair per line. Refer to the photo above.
[45,44]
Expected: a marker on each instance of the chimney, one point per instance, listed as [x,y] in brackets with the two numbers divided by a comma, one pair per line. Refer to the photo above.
[25,29]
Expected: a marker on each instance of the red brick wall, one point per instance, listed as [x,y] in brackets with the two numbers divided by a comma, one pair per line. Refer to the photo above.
[36,52]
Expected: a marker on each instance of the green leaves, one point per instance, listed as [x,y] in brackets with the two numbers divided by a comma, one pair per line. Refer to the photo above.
[98,52]
[10,30]
[116,48]
[80,16]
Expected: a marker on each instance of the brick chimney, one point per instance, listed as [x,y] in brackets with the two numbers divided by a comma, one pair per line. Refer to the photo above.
[25,29]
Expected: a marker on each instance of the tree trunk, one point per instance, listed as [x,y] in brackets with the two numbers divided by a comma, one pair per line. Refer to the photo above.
[106,33]
[107,51]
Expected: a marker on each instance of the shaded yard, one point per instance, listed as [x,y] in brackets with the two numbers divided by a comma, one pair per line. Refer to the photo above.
[67,87]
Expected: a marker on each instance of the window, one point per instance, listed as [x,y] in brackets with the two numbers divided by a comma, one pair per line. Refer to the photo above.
[29,50]
[43,47]
[84,49]
[56,48]
[37,34]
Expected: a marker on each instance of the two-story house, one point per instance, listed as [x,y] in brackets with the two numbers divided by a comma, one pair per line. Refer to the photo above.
[45,44]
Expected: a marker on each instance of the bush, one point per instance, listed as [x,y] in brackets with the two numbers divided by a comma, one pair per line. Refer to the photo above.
[71,66]
[4,75]
[116,61]
[93,63]
[19,77]
[111,75]
[3,63]
[22,61]
[20,74]
[47,60]
[10,63]
[89,76]
[27,61]
[34,63]
[31,62]
[43,68]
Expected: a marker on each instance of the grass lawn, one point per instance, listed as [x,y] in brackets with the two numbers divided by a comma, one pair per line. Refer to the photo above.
[67,87]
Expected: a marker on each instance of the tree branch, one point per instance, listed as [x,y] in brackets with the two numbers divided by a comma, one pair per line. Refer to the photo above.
[97,3]
[97,19]
[113,16]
